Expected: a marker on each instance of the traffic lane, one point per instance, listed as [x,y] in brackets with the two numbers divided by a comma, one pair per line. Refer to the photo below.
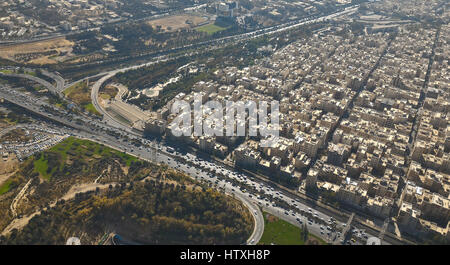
[279,212]
[204,176]
[198,174]
[144,153]
[257,215]
[314,226]
[266,190]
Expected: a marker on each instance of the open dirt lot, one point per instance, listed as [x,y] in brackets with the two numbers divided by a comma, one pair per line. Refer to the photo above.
[8,166]
[40,52]
[173,23]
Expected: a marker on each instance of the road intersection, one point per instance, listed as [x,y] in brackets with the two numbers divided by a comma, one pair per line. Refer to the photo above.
[300,214]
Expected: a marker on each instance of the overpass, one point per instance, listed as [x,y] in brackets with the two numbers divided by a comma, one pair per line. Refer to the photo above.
[36,111]
[30,107]
[38,80]
[60,82]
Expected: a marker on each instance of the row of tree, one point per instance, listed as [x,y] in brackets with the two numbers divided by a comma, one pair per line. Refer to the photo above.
[149,213]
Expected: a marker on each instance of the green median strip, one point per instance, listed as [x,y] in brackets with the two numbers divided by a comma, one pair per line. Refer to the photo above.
[280,232]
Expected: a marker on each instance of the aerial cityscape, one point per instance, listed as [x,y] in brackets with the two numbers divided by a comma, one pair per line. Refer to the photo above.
[245,122]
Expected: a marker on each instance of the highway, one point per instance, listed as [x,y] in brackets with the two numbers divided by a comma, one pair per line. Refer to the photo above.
[221,178]
[109,123]
[263,194]
[60,82]
[87,132]
[61,85]
[215,42]
[240,37]
[107,117]
[207,171]
[55,90]
[258,229]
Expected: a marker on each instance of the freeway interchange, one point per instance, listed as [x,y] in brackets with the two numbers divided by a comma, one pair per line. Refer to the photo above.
[231,182]
[256,194]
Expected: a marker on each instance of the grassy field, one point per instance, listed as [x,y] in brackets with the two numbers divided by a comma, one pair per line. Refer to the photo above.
[80,86]
[75,149]
[5,187]
[210,29]
[31,73]
[105,96]
[6,71]
[39,88]
[41,166]
[81,95]
[280,232]
[59,105]
[108,92]
[90,108]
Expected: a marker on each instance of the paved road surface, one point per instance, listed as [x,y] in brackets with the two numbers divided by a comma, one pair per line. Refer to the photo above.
[38,80]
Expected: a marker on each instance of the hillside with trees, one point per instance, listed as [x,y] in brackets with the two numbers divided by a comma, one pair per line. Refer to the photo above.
[153,212]
[144,202]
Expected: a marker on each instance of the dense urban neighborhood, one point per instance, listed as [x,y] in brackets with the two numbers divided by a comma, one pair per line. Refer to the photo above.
[355,95]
